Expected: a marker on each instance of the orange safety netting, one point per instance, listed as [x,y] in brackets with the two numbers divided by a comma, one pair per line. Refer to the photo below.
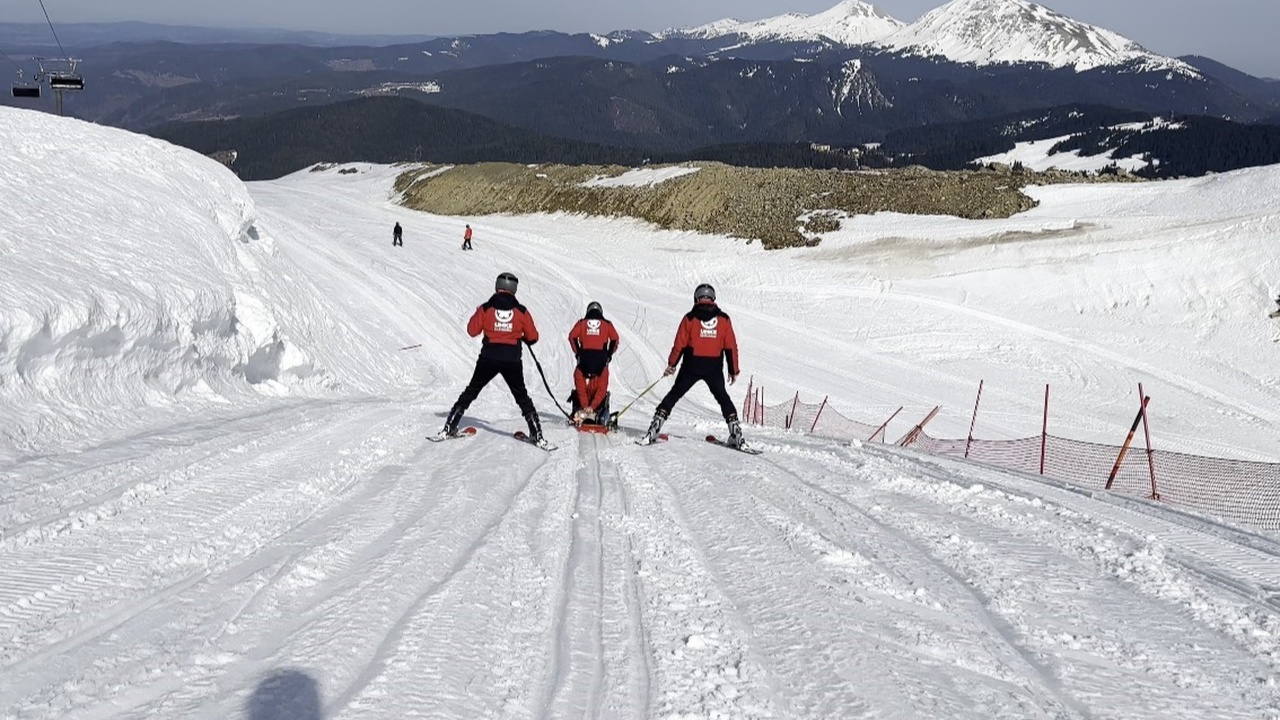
[1241,492]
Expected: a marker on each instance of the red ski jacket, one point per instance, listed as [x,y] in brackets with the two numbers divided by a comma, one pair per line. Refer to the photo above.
[504,322]
[594,341]
[704,337]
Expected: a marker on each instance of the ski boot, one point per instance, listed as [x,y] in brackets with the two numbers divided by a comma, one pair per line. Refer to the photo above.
[535,431]
[655,427]
[735,439]
[450,428]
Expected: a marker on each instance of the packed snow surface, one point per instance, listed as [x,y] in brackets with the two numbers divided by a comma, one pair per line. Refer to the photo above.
[186,532]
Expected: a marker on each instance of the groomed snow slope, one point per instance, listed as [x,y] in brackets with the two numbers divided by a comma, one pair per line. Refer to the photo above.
[310,556]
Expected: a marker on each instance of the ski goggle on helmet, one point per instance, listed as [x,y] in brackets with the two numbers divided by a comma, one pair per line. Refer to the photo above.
[704,292]
[507,281]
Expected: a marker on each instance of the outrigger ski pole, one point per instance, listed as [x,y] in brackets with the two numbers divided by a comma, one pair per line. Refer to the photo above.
[613,418]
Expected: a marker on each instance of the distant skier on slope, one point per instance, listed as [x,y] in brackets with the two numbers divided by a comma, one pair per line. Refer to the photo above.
[704,341]
[504,323]
[466,238]
[397,235]
[594,341]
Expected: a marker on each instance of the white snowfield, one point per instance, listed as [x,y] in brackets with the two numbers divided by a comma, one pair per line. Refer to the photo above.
[1034,155]
[188,532]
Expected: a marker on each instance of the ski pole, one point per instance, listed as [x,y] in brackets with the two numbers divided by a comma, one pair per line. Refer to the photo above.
[613,419]
[546,384]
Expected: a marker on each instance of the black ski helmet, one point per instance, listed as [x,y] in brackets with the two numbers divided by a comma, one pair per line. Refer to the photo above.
[593,308]
[507,281]
[704,292]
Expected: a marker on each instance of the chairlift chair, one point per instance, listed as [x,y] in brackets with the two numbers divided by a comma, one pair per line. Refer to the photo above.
[66,81]
[24,89]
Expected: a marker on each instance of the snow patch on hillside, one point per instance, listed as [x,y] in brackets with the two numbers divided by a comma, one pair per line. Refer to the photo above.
[641,177]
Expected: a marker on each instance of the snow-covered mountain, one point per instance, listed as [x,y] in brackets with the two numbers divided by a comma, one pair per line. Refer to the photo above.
[852,22]
[990,32]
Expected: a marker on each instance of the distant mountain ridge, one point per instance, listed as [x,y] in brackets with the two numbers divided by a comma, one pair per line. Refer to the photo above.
[846,76]
[849,23]
[989,32]
[76,35]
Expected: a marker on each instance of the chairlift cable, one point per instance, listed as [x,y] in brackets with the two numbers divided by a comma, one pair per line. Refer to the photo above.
[55,32]
[9,57]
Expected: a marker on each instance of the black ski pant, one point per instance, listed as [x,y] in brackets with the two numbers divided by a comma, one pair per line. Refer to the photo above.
[686,379]
[486,370]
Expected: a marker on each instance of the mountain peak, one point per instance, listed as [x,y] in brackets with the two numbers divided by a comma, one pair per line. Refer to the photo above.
[992,32]
[852,22]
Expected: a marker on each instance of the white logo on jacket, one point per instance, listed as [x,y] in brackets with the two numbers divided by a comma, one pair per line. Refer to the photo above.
[709,327]
[502,320]
[593,327]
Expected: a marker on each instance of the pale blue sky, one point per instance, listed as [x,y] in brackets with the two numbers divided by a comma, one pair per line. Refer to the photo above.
[1240,33]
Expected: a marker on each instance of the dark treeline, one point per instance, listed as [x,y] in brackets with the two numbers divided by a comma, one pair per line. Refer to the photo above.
[394,129]
[954,146]
[1193,146]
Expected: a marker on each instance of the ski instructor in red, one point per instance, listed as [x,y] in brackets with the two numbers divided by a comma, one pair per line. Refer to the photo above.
[704,344]
[504,323]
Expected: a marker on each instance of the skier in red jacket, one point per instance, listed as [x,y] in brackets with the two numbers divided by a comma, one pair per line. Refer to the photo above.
[594,341]
[504,323]
[704,344]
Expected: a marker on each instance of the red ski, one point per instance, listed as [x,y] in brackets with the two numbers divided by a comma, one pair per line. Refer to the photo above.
[467,431]
[744,448]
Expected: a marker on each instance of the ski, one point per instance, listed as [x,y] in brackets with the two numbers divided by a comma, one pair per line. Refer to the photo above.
[467,431]
[740,448]
[662,437]
[522,436]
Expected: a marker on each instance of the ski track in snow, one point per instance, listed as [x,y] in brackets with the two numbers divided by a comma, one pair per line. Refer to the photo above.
[172,569]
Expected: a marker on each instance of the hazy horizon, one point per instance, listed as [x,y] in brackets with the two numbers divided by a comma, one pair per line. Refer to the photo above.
[1238,34]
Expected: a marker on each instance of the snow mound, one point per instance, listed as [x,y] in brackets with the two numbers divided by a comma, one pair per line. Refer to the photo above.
[132,276]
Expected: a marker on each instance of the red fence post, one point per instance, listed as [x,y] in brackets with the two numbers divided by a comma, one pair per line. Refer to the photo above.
[761,406]
[814,426]
[792,415]
[1151,461]
[1044,428]
[884,425]
[750,384]
[974,421]
[1128,439]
